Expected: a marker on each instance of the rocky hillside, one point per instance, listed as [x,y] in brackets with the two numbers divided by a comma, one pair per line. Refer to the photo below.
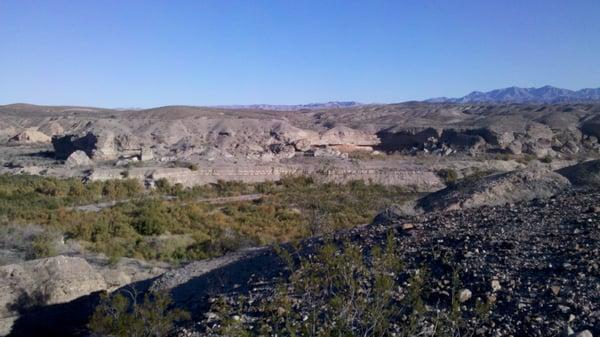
[194,134]
[509,269]
[522,269]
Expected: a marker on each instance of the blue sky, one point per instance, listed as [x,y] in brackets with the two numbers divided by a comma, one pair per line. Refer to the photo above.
[128,53]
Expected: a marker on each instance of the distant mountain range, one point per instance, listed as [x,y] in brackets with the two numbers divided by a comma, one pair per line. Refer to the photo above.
[294,107]
[547,94]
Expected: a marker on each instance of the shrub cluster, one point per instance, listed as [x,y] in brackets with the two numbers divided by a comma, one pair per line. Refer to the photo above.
[148,225]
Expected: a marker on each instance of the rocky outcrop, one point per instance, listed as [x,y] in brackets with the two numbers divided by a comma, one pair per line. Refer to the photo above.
[99,145]
[65,145]
[498,189]
[342,135]
[29,285]
[30,136]
[52,129]
[406,140]
[78,159]
[583,174]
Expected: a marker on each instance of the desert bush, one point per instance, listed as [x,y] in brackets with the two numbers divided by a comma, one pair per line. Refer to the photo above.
[291,209]
[120,189]
[125,316]
[449,176]
[547,159]
[28,241]
[350,294]
[151,218]
[42,245]
[343,289]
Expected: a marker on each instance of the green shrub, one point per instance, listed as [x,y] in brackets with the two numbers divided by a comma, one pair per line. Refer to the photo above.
[448,175]
[123,316]
[151,218]
[43,245]
[547,159]
[289,210]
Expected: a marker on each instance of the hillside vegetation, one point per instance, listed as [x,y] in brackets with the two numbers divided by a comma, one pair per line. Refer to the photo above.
[148,225]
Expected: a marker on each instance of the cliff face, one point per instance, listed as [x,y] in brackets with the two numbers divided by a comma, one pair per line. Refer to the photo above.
[416,179]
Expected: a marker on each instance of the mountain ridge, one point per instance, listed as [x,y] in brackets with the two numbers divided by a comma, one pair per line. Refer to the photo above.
[545,94]
[293,107]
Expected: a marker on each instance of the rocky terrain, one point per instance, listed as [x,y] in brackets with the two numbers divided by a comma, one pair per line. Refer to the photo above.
[504,243]
[56,140]
[520,185]
[513,257]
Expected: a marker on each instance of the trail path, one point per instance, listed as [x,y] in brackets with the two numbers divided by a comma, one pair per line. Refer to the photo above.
[97,207]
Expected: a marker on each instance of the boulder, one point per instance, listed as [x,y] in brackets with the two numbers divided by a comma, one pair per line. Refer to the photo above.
[462,141]
[28,285]
[495,135]
[30,136]
[539,148]
[515,147]
[78,159]
[511,187]
[583,174]
[537,131]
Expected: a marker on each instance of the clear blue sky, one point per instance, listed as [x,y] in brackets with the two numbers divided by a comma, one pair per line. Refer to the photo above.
[128,53]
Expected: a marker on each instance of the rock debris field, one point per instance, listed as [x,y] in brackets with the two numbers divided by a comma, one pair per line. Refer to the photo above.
[537,263]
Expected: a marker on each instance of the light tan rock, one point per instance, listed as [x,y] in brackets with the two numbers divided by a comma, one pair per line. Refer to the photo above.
[464,295]
[341,135]
[30,136]
[78,159]
[46,281]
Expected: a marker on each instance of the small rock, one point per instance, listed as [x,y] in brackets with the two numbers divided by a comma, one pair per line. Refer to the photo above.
[584,333]
[563,308]
[496,285]
[464,295]
[555,290]
[568,331]
[408,226]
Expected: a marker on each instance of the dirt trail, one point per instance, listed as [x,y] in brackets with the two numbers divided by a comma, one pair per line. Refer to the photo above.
[97,207]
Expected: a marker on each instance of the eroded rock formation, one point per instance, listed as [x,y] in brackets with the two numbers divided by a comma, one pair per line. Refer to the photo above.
[30,136]
[511,187]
